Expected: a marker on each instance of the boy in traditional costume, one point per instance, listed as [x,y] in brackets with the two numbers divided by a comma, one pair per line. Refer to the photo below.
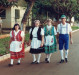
[63,32]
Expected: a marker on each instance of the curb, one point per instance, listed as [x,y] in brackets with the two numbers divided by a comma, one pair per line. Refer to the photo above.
[75,30]
[4,57]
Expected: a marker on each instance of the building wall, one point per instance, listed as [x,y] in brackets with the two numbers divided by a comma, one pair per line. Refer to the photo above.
[7,20]
[13,20]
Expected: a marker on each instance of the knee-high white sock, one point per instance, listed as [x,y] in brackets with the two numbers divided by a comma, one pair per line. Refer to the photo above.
[39,55]
[66,53]
[62,54]
[12,61]
[49,57]
[34,57]
[19,60]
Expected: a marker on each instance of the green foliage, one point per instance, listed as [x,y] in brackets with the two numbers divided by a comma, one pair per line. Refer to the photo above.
[6,3]
[55,8]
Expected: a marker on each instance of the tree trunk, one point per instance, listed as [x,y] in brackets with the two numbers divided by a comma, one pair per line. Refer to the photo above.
[26,15]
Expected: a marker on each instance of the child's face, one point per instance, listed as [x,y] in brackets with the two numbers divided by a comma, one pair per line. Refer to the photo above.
[17,27]
[37,24]
[49,23]
[63,20]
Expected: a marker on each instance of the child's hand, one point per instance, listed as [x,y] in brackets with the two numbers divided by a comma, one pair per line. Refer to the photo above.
[71,42]
[41,45]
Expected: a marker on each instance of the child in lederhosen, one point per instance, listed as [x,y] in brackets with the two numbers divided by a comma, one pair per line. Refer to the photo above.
[50,39]
[36,41]
[16,44]
[63,32]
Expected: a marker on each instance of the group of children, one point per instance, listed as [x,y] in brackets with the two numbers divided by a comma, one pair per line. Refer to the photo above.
[42,40]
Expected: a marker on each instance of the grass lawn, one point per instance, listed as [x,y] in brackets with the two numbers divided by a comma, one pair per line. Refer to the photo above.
[4,44]
[75,27]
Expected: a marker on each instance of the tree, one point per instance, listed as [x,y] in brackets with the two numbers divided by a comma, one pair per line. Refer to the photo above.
[30,3]
[56,8]
[5,4]
[67,7]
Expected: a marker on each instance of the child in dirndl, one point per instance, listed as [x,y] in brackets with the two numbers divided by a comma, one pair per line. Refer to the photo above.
[36,41]
[50,40]
[16,44]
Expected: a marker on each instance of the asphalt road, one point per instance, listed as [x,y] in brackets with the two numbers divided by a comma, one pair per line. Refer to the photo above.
[53,68]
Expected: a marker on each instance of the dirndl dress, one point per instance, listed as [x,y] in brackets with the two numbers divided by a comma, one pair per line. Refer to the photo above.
[15,51]
[35,43]
[50,40]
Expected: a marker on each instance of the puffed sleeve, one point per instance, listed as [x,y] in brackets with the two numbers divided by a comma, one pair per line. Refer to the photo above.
[55,32]
[42,31]
[22,34]
[11,34]
[30,30]
[58,28]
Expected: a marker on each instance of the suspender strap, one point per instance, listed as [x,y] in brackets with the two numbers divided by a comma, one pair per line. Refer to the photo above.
[62,27]
[66,28]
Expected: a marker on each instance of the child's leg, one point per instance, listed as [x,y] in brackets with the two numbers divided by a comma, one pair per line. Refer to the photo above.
[62,54]
[38,60]
[34,57]
[19,60]
[66,53]
[12,61]
[49,57]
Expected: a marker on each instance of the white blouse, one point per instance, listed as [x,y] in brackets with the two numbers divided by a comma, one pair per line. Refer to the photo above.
[22,33]
[64,30]
[35,43]
[34,33]
[49,27]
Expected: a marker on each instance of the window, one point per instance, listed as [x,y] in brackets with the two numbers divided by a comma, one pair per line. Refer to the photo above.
[3,13]
[17,13]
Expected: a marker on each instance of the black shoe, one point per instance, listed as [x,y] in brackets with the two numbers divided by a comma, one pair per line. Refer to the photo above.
[10,65]
[33,62]
[37,62]
[62,61]
[66,60]
[18,63]
[46,59]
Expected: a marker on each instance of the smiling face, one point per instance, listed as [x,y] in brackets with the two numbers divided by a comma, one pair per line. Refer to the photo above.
[37,23]
[49,23]
[16,27]
[63,20]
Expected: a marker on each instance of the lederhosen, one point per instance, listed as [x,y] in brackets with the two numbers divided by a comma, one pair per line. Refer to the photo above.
[53,47]
[39,37]
[16,55]
[64,38]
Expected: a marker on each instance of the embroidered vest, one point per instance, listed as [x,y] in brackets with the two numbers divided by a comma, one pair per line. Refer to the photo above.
[49,32]
[17,37]
[38,34]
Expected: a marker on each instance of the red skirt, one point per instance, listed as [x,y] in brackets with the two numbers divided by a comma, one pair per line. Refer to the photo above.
[17,55]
